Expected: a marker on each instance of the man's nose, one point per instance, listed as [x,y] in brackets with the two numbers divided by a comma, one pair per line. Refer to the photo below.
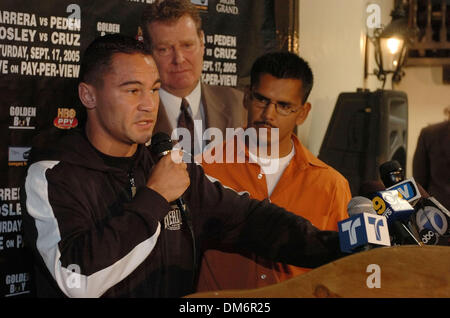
[149,101]
[270,111]
[178,56]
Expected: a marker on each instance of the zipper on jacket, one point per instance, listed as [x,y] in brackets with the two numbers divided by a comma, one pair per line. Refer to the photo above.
[132,184]
[186,216]
[194,248]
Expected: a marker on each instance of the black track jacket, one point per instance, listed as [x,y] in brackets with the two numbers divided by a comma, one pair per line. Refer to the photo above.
[91,238]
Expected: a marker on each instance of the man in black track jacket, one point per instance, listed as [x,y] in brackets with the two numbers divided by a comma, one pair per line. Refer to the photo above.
[99,211]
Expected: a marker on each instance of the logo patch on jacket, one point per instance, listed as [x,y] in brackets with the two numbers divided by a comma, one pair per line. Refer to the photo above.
[173,221]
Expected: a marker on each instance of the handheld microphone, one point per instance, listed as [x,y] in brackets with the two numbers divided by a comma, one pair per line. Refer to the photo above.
[364,229]
[161,145]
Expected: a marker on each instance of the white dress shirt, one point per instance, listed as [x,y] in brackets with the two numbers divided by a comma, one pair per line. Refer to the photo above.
[172,105]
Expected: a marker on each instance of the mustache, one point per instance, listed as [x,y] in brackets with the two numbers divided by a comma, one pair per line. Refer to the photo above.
[263,122]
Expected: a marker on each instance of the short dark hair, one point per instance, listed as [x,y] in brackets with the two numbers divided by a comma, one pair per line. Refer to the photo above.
[98,55]
[283,65]
[168,11]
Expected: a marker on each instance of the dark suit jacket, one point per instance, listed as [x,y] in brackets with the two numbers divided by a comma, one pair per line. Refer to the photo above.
[223,109]
[431,162]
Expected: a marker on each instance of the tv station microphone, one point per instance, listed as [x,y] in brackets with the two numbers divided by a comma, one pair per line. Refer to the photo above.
[398,213]
[392,205]
[160,146]
[393,178]
[396,209]
[408,189]
[358,205]
[364,229]
[432,220]
[391,173]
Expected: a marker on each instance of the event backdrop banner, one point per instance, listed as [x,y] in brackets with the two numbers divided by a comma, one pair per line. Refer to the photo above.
[41,45]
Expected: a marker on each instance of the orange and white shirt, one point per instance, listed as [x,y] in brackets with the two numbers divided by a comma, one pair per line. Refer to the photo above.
[307,187]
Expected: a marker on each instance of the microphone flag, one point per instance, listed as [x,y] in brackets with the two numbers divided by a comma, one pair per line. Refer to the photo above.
[363,229]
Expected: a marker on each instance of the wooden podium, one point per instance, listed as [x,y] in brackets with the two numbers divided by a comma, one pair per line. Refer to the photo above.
[403,271]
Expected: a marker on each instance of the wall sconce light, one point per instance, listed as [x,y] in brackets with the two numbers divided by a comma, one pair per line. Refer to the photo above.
[390,46]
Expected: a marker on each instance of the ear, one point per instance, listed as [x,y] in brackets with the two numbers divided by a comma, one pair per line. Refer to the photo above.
[202,40]
[303,113]
[86,93]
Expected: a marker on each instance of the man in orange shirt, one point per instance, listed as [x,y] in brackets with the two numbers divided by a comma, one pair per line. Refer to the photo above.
[291,176]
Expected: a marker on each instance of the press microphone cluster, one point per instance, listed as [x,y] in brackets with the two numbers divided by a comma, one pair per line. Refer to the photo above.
[425,221]
[392,204]
[431,218]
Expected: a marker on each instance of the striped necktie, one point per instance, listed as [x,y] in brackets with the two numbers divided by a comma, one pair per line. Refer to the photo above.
[185,120]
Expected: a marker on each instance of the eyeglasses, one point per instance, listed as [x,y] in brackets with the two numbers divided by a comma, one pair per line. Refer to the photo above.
[282,108]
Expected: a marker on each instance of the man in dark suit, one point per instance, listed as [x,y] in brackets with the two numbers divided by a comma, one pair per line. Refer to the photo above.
[431,162]
[172,30]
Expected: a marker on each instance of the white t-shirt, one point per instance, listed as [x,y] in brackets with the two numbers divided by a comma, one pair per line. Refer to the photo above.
[267,168]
